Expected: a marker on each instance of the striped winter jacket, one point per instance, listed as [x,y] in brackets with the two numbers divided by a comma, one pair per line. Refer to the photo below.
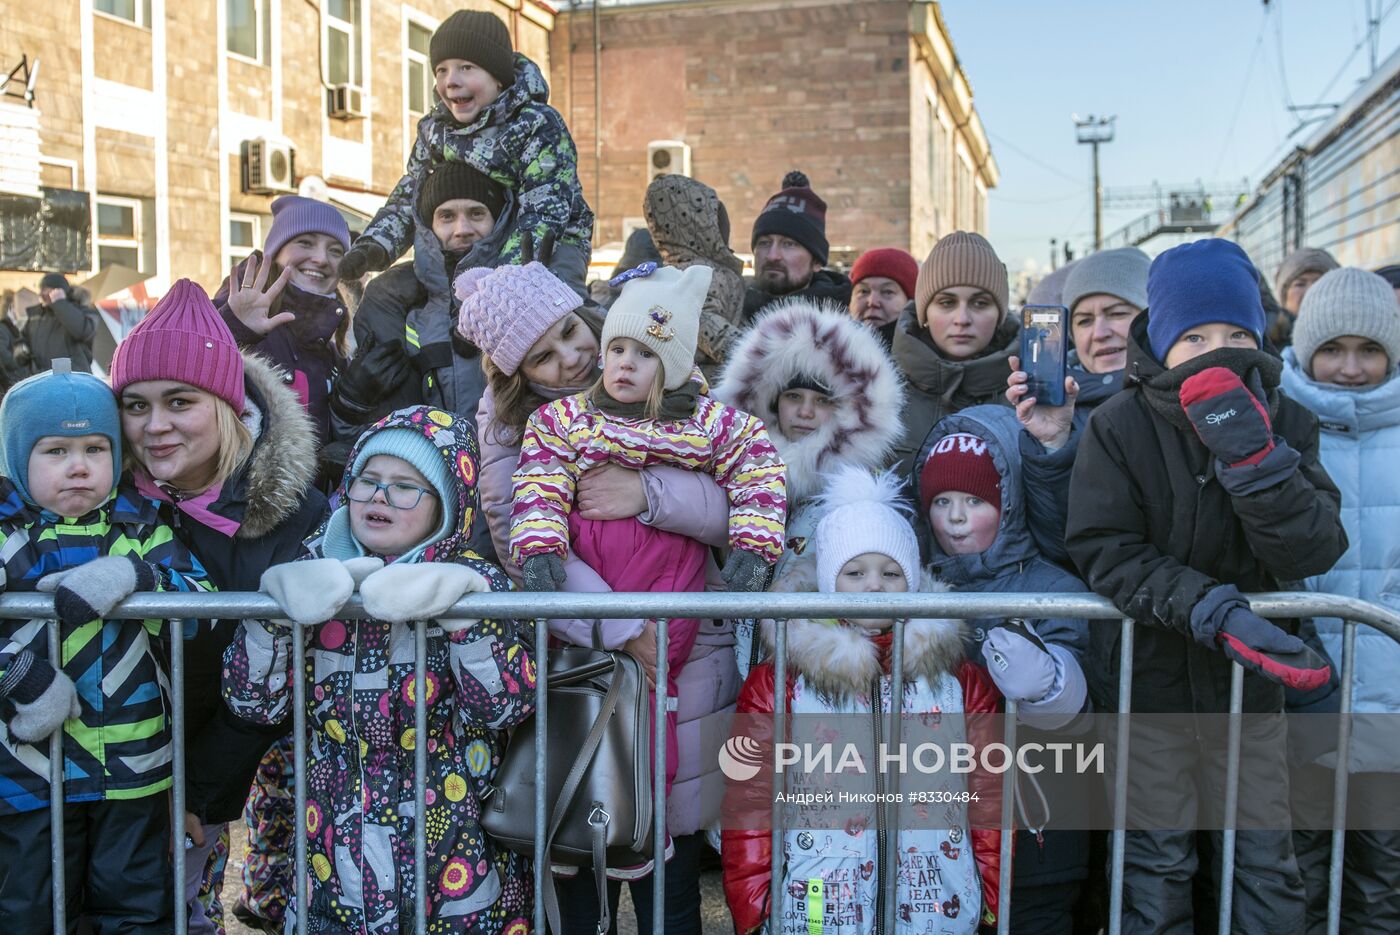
[568,436]
[119,748]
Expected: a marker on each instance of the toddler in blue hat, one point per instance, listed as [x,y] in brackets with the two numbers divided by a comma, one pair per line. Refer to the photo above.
[67,526]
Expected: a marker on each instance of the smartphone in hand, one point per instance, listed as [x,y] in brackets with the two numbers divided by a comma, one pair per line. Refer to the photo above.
[1044,351]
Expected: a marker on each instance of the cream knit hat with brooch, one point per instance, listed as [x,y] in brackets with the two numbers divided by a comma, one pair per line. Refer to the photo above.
[662,311]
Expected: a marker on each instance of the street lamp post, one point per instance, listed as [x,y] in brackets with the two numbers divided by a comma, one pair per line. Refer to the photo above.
[1095,130]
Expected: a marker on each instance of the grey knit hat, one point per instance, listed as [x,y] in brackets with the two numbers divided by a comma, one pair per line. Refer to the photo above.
[1304,260]
[1121,273]
[1347,301]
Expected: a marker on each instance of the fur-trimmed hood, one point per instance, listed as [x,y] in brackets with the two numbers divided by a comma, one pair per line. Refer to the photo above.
[841,660]
[818,340]
[273,481]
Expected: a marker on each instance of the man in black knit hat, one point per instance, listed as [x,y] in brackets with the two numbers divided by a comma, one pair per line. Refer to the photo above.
[790,249]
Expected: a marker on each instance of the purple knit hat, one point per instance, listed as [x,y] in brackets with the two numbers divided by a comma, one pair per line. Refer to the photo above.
[182,339]
[506,310]
[293,215]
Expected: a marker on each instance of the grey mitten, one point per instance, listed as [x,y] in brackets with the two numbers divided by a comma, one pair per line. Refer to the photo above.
[746,571]
[422,591]
[90,591]
[43,697]
[1019,662]
[309,592]
[543,573]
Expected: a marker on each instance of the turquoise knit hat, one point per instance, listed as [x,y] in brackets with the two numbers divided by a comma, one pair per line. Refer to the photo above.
[56,402]
[417,450]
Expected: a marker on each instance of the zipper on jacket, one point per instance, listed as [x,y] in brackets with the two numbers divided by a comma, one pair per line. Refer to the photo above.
[880,832]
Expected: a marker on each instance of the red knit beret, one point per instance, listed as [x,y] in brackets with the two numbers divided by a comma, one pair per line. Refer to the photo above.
[960,462]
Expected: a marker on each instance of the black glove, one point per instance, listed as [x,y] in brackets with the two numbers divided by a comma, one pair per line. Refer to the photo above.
[1230,419]
[528,253]
[543,573]
[746,571]
[362,258]
[370,379]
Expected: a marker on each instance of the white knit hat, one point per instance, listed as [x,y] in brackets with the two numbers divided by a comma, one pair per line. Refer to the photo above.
[662,311]
[1347,301]
[863,513]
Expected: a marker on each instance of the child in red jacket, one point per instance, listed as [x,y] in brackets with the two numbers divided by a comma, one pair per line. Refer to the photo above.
[948,870]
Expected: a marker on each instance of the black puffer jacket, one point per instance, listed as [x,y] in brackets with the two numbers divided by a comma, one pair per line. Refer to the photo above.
[1152,528]
[63,329]
[826,284]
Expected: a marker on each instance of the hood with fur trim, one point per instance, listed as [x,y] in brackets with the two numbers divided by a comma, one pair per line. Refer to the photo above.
[274,480]
[997,426]
[840,660]
[820,341]
[455,440]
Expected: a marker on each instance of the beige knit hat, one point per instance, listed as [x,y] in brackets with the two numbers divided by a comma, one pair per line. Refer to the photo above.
[662,311]
[1347,301]
[961,259]
[1300,261]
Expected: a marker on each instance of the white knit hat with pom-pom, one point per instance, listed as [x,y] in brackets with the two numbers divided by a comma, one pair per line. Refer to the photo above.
[863,512]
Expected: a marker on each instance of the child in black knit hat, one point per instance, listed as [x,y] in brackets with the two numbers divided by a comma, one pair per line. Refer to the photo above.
[483,84]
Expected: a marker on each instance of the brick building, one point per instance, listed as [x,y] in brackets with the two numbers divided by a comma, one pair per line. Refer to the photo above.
[866,97]
[149,106]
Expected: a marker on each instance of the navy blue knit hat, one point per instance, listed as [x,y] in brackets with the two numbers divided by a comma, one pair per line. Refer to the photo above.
[56,402]
[1198,284]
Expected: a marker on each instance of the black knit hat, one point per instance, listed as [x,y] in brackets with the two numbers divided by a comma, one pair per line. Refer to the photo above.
[452,180]
[479,38]
[795,212]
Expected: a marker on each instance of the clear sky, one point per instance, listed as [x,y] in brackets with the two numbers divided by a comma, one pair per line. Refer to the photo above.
[1199,88]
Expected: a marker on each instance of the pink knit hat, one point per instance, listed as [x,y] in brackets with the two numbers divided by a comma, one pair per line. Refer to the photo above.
[507,309]
[184,339]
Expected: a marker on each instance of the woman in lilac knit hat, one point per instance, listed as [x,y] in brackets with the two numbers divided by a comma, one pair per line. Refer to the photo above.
[541,343]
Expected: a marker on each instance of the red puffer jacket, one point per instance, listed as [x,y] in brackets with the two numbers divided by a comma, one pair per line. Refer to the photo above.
[821,651]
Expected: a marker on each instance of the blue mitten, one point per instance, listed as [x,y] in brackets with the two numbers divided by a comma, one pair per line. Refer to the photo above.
[423,591]
[1019,662]
[90,591]
[1223,619]
[43,696]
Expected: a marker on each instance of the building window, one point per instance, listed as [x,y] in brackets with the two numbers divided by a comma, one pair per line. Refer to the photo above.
[248,28]
[133,11]
[243,237]
[419,83]
[966,221]
[342,39]
[119,232]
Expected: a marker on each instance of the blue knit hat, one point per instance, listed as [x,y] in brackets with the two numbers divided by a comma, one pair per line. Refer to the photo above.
[1198,284]
[293,215]
[56,402]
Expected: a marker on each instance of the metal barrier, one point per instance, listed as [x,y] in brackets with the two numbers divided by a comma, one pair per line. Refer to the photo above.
[777,606]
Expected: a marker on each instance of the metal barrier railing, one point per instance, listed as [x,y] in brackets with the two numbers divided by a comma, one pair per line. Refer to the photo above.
[770,605]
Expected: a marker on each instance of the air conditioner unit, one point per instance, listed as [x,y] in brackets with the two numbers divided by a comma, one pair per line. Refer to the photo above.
[269,166]
[345,102]
[667,157]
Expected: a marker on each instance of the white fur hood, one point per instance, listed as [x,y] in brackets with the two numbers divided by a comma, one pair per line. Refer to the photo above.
[841,660]
[820,341]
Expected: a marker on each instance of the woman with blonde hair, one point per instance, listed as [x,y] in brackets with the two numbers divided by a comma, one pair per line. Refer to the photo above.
[228,452]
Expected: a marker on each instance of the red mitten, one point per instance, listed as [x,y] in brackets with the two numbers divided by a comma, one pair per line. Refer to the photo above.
[1229,419]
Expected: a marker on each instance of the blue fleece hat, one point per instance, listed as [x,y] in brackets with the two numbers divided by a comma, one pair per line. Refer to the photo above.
[56,402]
[415,448]
[1198,284]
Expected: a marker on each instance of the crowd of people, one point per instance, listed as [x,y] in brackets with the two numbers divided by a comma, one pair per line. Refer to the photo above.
[481,419]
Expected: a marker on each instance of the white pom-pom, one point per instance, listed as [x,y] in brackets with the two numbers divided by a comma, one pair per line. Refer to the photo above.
[849,485]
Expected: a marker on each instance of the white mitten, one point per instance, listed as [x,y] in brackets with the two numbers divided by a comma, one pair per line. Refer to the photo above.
[400,593]
[362,567]
[309,592]
[1019,662]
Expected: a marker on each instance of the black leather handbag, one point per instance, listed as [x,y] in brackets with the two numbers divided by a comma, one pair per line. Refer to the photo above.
[599,776]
